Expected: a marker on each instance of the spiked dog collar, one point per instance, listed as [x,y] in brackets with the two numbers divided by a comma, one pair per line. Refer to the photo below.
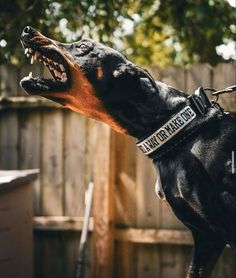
[175,129]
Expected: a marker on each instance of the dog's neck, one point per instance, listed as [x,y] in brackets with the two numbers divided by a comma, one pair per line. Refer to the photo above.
[146,108]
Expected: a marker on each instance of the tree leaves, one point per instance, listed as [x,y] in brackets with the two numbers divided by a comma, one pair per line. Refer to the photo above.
[165,31]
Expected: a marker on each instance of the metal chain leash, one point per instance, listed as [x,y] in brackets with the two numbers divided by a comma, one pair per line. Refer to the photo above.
[216,93]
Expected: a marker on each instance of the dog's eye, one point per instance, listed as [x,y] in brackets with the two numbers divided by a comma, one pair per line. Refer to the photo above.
[82,49]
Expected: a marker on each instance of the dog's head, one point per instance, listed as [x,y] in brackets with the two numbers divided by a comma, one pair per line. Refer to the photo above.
[96,81]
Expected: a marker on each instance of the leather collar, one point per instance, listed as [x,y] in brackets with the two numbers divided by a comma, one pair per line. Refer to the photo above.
[189,118]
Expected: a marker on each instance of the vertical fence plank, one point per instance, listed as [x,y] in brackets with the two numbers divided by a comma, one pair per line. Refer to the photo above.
[174,76]
[8,119]
[91,147]
[148,215]
[74,163]
[225,267]
[53,256]
[9,80]
[103,237]
[8,140]
[147,203]
[29,148]
[125,157]
[199,75]
[125,197]
[173,261]
[52,162]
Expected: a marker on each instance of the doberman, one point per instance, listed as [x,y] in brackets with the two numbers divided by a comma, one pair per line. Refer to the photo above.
[190,139]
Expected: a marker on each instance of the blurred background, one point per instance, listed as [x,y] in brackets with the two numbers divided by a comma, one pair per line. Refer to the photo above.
[148,32]
[132,233]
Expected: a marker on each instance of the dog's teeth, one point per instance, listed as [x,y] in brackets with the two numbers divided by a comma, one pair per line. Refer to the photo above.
[62,68]
[36,55]
[28,55]
[30,75]
[32,60]
[26,50]
[63,76]
[30,50]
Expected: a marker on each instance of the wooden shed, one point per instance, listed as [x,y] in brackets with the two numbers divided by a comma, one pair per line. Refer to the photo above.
[16,223]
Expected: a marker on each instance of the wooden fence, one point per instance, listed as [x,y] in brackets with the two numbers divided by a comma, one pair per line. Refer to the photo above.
[134,234]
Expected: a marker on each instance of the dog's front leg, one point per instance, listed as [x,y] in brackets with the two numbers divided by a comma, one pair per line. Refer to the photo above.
[207,248]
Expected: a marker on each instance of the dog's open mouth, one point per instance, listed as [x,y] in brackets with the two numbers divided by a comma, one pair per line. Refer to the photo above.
[53,60]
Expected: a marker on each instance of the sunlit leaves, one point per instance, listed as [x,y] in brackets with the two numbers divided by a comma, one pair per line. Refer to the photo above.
[149,31]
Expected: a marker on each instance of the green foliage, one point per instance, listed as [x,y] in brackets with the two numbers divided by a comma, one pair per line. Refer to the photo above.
[164,31]
[183,31]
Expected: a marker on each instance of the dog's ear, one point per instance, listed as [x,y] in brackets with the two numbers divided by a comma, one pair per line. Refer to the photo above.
[131,70]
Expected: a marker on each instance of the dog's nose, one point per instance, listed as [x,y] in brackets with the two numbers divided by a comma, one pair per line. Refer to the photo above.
[28,31]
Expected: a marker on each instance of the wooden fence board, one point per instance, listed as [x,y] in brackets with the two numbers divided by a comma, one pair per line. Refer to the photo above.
[125,201]
[71,243]
[124,257]
[74,163]
[173,262]
[90,151]
[225,266]
[174,76]
[148,215]
[8,120]
[103,212]
[52,163]
[29,149]
[154,236]
[125,157]
[9,80]
[147,212]
[8,140]
[198,75]
[52,262]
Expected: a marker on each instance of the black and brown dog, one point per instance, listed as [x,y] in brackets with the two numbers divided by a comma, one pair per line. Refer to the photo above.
[195,165]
